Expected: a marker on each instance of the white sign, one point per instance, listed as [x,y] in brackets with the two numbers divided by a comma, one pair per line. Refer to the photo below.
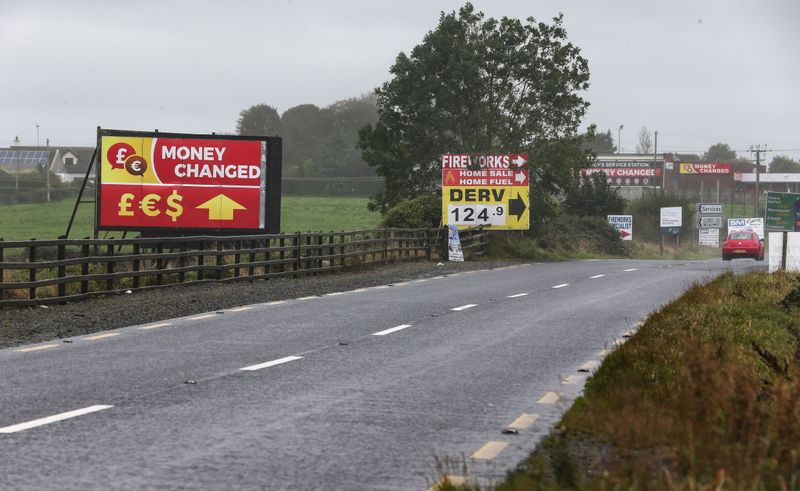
[668,165]
[623,224]
[709,237]
[709,208]
[454,252]
[671,216]
[709,222]
[757,224]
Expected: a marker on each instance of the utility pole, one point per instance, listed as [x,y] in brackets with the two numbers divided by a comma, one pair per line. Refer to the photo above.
[47,169]
[655,163]
[619,139]
[758,151]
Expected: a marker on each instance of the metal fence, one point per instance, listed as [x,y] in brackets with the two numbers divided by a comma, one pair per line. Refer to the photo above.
[37,272]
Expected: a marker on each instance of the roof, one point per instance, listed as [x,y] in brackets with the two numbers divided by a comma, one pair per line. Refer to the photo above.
[30,157]
[767,177]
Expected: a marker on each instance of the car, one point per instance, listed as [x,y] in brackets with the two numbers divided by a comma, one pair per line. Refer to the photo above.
[743,243]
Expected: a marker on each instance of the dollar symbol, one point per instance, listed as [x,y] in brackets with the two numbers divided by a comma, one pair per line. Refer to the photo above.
[125,205]
[173,202]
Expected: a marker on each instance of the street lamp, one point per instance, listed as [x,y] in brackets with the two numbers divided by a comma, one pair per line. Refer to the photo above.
[619,139]
[37,134]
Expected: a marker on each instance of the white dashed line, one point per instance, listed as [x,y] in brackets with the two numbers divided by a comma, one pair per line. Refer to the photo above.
[589,365]
[596,276]
[524,421]
[391,330]
[489,451]
[517,295]
[201,317]
[465,307]
[155,326]
[52,419]
[277,302]
[36,348]
[452,480]
[549,398]
[279,361]
[241,309]
[310,297]
[359,290]
[562,285]
[401,284]
[101,336]
[380,287]
[632,269]
[423,280]
[334,294]
[570,380]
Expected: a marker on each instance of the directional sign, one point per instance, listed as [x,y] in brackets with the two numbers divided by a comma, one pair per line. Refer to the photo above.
[780,213]
[486,190]
[709,208]
[170,181]
[709,222]
[709,237]
[623,224]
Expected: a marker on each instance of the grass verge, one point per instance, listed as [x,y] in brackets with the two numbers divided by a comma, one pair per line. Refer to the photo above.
[706,395]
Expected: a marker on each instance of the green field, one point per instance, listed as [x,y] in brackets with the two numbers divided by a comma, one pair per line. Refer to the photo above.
[49,220]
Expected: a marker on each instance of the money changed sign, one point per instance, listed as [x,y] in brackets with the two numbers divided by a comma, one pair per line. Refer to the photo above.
[187,182]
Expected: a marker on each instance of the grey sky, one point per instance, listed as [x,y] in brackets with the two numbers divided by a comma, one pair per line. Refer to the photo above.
[699,72]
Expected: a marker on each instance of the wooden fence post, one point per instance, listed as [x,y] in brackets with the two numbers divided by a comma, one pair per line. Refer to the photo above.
[182,264]
[85,268]
[296,265]
[62,270]
[110,267]
[220,262]
[136,280]
[159,264]
[201,260]
[237,258]
[2,273]
[32,271]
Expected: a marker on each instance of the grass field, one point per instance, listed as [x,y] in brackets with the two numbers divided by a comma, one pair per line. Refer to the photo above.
[49,220]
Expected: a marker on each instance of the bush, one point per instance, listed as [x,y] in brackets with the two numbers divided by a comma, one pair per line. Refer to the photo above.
[571,234]
[646,213]
[594,197]
[424,211]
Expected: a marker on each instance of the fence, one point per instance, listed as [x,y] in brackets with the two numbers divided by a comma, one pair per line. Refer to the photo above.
[37,272]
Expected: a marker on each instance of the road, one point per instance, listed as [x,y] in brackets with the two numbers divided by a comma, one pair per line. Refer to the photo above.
[365,389]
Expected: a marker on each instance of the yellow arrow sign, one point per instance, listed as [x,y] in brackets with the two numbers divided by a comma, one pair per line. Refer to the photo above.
[220,207]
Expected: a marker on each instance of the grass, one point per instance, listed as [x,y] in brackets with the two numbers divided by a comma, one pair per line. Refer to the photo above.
[49,220]
[706,395]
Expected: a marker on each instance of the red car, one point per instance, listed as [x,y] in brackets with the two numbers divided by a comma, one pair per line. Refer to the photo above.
[743,243]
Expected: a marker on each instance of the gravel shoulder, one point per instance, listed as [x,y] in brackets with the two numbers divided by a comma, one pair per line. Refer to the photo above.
[36,324]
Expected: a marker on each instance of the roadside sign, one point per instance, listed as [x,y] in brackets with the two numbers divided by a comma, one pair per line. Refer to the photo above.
[671,216]
[709,237]
[486,190]
[757,224]
[151,180]
[780,212]
[709,209]
[709,222]
[623,224]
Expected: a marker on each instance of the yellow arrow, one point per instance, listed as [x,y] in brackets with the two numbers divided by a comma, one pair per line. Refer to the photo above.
[220,207]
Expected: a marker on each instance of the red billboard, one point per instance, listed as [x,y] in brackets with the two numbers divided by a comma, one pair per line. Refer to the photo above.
[168,181]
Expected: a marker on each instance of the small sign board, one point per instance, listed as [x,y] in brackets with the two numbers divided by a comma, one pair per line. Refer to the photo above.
[709,208]
[709,237]
[757,224]
[780,211]
[623,224]
[454,252]
[709,222]
[671,216]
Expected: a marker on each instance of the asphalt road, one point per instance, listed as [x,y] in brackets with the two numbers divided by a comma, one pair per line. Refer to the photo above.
[365,389]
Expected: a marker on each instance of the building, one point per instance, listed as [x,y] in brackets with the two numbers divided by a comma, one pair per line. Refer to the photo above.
[68,163]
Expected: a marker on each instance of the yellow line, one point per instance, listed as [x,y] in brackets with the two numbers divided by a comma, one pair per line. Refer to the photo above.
[200,317]
[36,348]
[549,398]
[101,336]
[241,309]
[155,326]
[453,480]
[524,421]
[489,451]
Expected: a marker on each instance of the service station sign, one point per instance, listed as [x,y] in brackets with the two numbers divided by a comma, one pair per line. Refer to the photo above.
[168,181]
[486,190]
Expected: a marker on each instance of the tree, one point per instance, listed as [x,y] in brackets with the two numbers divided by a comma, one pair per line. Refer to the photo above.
[600,142]
[259,120]
[645,145]
[594,197]
[480,85]
[719,152]
[783,164]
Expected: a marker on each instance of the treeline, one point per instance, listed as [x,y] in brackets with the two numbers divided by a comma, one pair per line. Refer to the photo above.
[317,142]
[31,187]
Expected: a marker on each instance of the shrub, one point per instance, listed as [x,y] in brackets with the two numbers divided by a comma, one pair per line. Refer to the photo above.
[646,213]
[424,211]
[571,234]
[594,197]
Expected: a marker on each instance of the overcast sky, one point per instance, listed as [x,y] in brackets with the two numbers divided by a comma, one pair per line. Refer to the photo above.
[699,72]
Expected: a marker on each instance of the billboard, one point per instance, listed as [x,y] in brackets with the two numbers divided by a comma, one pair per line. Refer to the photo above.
[627,172]
[623,224]
[706,168]
[486,190]
[163,181]
[756,223]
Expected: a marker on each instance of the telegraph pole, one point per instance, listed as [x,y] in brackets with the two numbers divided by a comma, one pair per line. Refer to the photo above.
[758,151]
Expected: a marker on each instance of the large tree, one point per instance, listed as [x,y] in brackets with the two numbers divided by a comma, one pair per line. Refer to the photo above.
[783,164]
[479,85]
[259,120]
[720,152]
[645,144]
[600,142]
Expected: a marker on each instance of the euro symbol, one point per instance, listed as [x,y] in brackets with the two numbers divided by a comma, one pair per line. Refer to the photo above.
[173,202]
[148,205]
[125,204]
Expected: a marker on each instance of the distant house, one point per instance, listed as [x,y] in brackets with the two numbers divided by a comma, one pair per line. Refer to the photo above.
[68,163]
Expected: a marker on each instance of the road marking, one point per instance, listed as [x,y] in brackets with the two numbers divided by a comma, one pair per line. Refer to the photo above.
[549,398]
[359,290]
[380,287]
[469,272]
[310,297]
[279,361]
[437,278]
[454,274]
[401,284]
[632,269]
[452,480]
[393,329]
[603,353]
[596,276]
[52,419]
[101,336]
[562,285]
[276,302]
[334,294]
[465,307]
[570,380]
[241,309]
[155,326]
[200,317]
[423,280]
[489,451]
[589,365]
[517,295]
[36,348]
[524,421]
